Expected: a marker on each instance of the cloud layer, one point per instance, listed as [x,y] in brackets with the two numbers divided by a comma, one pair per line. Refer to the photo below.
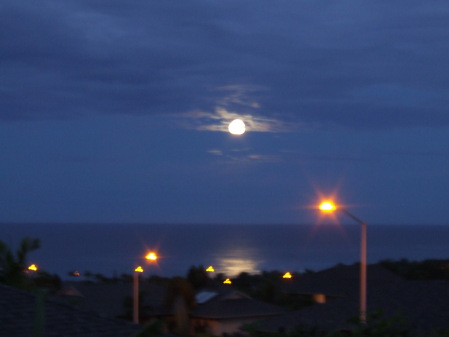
[357,64]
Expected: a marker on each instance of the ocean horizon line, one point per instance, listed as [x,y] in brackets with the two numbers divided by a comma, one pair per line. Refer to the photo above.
[86,223]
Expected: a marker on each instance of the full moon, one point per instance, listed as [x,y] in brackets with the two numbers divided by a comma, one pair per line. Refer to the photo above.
[237,127]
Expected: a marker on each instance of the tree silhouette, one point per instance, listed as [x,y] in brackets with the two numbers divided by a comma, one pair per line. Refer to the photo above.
[13,265]
[180,296]
[180,287]
[198,277]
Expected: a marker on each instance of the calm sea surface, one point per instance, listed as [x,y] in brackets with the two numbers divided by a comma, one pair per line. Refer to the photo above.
[112,249]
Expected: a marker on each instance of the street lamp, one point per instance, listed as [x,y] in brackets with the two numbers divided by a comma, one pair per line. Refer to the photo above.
[33,267]
[151,257]
[138,270]
[287,275]
[329,206]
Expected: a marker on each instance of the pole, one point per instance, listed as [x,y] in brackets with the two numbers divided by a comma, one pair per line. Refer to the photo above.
[136,298]
[363,266]
[363,279]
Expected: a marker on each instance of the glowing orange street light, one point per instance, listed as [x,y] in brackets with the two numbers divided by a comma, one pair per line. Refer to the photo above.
[210,269]
[287,275]
[329,206]
[151,256]
[227,281]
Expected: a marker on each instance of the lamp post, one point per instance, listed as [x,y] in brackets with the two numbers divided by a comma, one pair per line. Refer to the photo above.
[138,270]
[151,257]
[329,206]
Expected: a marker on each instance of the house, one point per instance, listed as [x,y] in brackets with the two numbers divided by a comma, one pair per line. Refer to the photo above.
[424,305]
[338,282]
[21,312]
[226,313]
[113,299]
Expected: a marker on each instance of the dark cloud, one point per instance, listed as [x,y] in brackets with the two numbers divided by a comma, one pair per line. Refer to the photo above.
[357,64]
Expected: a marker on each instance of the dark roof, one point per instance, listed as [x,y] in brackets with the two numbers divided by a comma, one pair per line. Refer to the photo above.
[221,295]
[18,312]
[204,296]
[108,298]
[236,308]
[341,280]
[424,304]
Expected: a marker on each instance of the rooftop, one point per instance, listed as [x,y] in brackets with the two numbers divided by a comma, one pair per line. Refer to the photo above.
[424,304]
[18,312]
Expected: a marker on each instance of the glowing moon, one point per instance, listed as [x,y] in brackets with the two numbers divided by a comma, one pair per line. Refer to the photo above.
[237,127]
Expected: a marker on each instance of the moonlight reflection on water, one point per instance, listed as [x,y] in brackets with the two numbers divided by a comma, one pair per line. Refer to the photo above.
[237,261]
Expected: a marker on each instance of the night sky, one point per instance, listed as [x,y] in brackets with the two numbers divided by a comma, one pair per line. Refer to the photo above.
[117,111]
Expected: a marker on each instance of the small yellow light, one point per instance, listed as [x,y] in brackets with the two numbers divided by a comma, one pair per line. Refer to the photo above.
[33,267]
[210,269]
[327,206]
[227,281]
[139,269]
[287,275]
[151,256]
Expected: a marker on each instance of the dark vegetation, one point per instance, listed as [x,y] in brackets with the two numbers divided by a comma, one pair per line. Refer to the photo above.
[14,272]
[431,269]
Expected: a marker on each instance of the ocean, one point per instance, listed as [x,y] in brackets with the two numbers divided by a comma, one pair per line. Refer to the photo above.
[113,249]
